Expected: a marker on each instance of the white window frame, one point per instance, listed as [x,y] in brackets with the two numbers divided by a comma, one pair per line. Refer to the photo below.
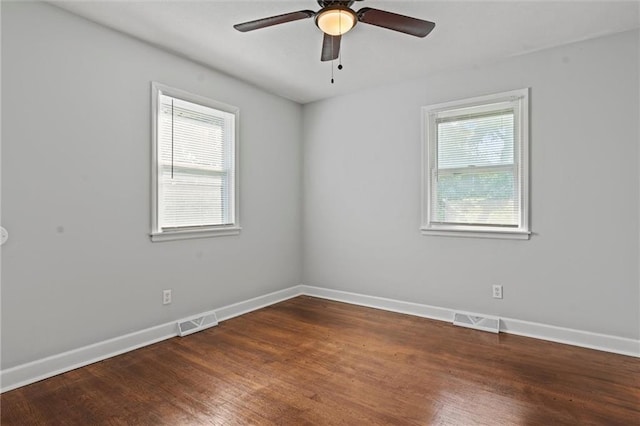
[159,234]
[519,99]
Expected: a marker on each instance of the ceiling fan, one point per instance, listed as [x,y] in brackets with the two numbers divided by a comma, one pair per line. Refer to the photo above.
[336,18]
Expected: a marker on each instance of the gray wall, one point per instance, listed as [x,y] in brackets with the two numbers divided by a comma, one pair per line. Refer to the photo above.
[580,268]
[79,266]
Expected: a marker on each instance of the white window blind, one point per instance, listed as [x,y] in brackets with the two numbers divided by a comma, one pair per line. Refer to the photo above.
[475,180]
[475,170]
[195,164]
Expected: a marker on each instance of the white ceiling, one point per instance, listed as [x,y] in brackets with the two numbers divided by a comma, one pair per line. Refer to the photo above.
[285,59]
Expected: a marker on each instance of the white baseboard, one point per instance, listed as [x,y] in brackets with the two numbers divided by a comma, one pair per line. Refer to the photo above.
[256,303]
[585,339]
[31,372]
[410,308]
[569,336]
[21,375]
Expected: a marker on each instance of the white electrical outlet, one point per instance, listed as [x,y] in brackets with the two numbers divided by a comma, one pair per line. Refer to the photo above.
[166,297]
[497,292]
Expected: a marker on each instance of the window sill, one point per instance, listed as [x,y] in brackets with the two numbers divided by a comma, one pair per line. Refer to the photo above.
[194,233]
[496,234]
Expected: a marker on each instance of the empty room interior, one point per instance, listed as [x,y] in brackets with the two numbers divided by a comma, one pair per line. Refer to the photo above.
[320,212]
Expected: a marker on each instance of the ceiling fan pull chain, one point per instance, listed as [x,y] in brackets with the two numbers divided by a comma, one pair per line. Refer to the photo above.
[332,61]
[332,71]
[340,51]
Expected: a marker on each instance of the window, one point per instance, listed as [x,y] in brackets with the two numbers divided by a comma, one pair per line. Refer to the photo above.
[475,167]
[193,167]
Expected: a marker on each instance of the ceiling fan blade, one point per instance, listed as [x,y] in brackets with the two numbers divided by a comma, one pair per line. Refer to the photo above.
[330,47]
[274,20]
[393,21]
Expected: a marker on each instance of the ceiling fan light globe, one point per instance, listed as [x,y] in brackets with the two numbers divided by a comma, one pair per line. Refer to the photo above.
[336,20]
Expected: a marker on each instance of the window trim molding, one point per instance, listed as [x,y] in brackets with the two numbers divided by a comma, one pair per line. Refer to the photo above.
[157,234]
[428,227]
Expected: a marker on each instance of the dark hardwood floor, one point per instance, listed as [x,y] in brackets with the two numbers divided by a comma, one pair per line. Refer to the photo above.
[309,361]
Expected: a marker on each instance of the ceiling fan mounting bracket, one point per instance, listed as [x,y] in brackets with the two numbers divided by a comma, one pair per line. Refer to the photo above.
[326,3]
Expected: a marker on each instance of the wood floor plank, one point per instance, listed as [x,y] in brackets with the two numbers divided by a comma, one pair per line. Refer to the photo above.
[309,361]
